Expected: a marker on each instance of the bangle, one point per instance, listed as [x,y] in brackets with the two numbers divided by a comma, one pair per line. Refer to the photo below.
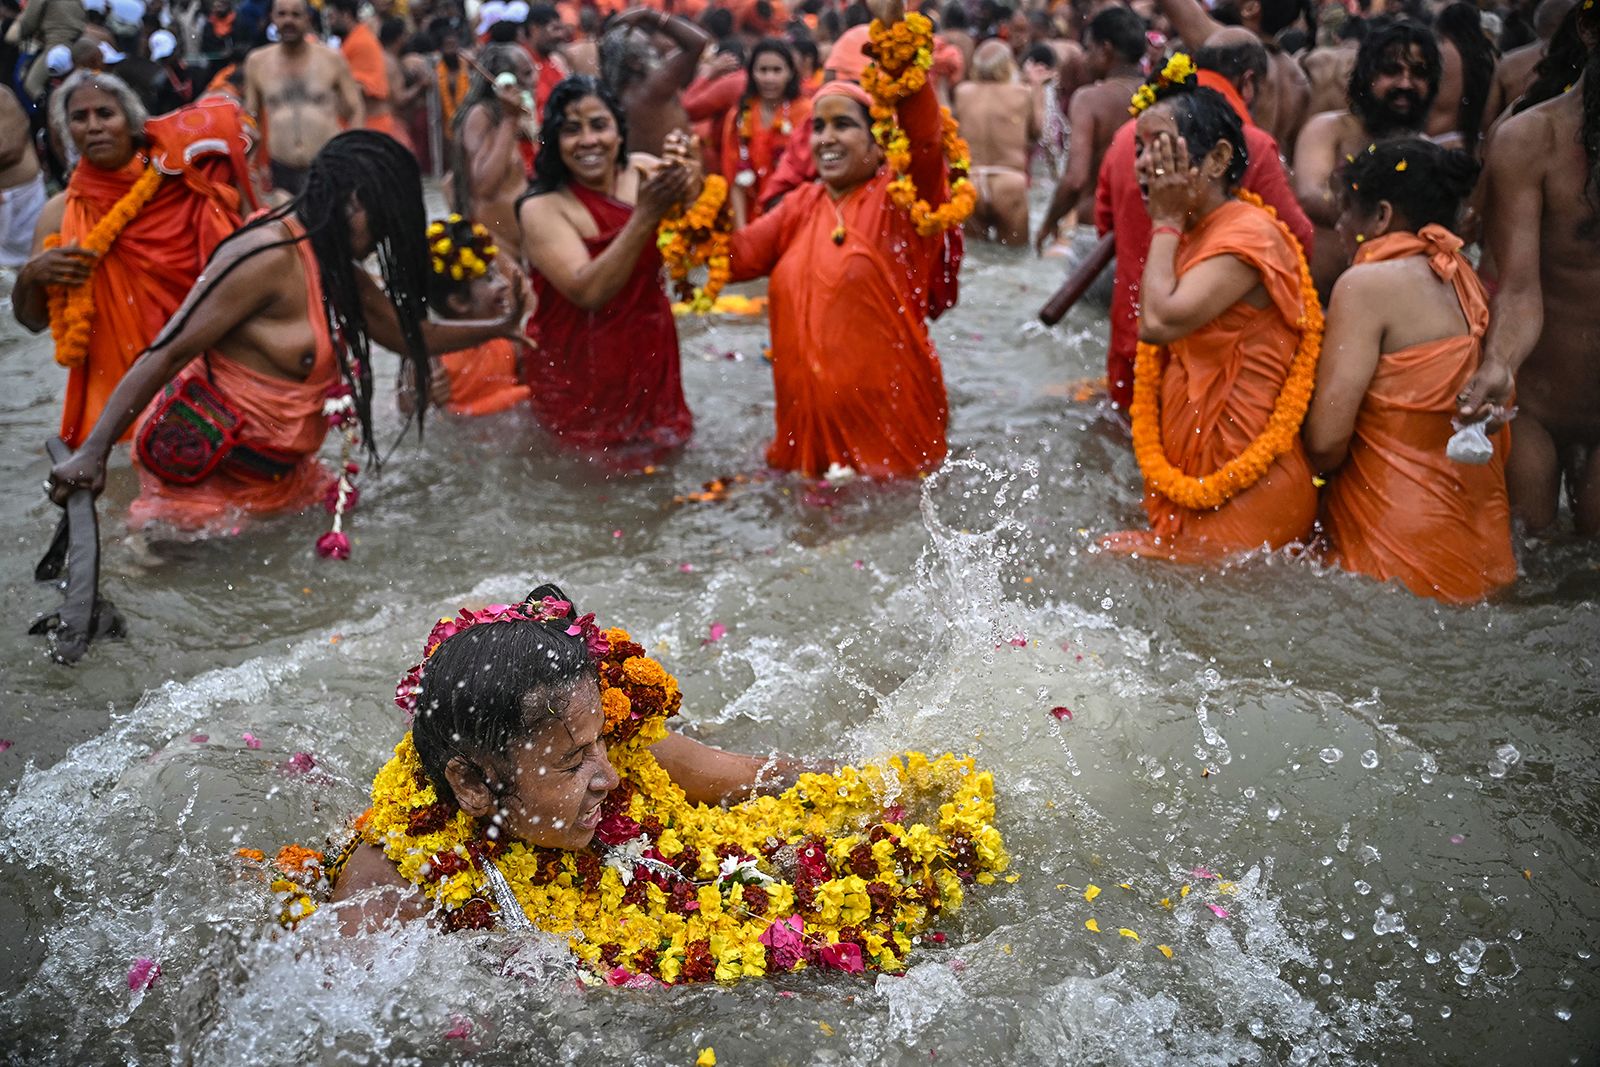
[1166,229]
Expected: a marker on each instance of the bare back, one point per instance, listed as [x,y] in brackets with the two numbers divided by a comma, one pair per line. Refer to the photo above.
[1328,72]
[1105,104]
[1283,107]
[997,120]
[297,96]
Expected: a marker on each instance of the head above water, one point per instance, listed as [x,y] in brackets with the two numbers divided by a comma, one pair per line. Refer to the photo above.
[100,116]
[1209,127]
[1402,184]
[462,280]
[508,727]
[841,136]
[583,135]
[1395,77]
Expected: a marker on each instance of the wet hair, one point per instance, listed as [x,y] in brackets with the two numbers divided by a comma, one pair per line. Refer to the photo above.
[1042,54]
[1424,183]
[1462,25]
[493,60]
[132,107]
[1384,38]
[718,22]
[1120,28]
[493,686]
[384,177]
[549,169]
[955,15]
[504,32]
[542,14]
[1563,62]
[442,285]
[1204,118]
[1234,61]
[391,30]
[806,48]
[624,53]
[771,46]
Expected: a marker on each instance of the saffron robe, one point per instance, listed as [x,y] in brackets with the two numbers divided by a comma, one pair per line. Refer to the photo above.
[365,55]
[1217,391]
[857,379]
[761,154]
[1399,508]
[280,413]
[484,380]
[1119,208]
[609,380]
[150,267]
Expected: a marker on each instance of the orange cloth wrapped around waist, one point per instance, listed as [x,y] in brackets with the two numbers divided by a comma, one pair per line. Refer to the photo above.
[484,380]
[279,413]
[1217,393]
[1399,508]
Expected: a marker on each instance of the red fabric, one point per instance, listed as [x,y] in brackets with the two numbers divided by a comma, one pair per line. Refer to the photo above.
[795,168]
[548,74]
[149,269]
[855,373]
[1119,208]
[1399,508]
[280,413]
[848,57]
[765,148]
[706,101]
[1218,390]
[609,380]
[484,380]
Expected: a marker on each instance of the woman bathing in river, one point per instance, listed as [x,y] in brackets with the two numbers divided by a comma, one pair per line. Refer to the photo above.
[540,788]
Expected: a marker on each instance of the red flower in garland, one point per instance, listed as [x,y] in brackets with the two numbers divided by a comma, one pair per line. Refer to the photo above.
[698,965]
[475,914]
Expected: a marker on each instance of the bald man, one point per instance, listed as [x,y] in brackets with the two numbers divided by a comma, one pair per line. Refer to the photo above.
[301,94]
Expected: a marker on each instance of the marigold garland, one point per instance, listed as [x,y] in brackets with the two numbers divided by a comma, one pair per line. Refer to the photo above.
[1179,72]
[696,236]
[72,307]
[1283,425]
[834,873]
[450,97]
[906,47]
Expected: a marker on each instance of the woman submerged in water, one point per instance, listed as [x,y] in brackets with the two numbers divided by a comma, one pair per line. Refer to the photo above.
[539,787]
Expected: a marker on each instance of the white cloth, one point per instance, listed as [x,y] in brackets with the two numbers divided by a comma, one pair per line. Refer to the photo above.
[19,214]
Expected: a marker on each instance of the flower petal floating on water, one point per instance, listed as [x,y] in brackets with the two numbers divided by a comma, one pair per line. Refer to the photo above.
[1202,872]
[1061,712]
[707,1058]
[200,739]
[718,632]
[300,763]
[1091,892]
[251,741]
[1165,951]
[1218,910]
[460,1028]
[1125,932]
[1092,926]
[4,744]
[143,974]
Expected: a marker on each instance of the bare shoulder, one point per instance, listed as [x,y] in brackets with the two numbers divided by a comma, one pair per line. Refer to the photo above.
[1533,131]
[1327,125]
[377,894]
[368,868]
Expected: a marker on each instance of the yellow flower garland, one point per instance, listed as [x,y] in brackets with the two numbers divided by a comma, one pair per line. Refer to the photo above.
[835,872]
[700,235]
[1276,439]
[907,47]
[72,307]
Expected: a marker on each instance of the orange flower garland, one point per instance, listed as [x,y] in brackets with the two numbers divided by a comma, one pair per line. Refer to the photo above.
[72,307]
[1283,425]
[700,235]
[450,98]
[906,46]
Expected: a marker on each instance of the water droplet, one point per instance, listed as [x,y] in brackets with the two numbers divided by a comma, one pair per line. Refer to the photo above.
[1444,1011]
[1330,755]
[1369,759]
[1363,888]
[1273,811]
[1564,1014]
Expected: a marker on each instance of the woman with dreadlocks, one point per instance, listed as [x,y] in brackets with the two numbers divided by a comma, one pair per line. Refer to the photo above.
[1230,329]
[605,378]
[115,253]
[1543,219]
[281,319]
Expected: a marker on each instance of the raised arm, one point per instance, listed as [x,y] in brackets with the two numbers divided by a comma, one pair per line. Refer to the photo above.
[711,776]
[1515,207]
[677,68]
[209,313]
[1351,347]
[438,337]
[1190,21]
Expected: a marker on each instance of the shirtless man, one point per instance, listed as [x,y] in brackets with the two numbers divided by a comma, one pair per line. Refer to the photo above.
[1000,123]
[299,90]
[1392,88]
[1329,64]
[646,83]
[1543,343]
[1515,72]
[22,194]
[1281,107]
[489,170]
[1114,42]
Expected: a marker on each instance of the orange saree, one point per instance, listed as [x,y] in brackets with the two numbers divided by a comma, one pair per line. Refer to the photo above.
[280,413]
[1399,508]
[1217,392]
[154,261]
[484,380]
[857,379]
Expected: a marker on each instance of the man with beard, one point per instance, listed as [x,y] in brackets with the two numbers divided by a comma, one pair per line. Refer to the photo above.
[1395,79]
[1543,344]
[298,90]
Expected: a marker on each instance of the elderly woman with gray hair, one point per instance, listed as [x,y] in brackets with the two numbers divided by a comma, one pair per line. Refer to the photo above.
[115,253]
